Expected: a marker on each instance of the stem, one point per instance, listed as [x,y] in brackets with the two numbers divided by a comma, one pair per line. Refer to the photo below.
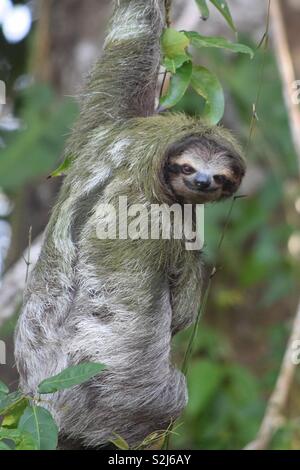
[27,261]
[265,42]
[163,84]
[168,4]
[189,350]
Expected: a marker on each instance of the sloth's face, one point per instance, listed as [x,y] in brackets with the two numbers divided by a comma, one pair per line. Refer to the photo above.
[204,172]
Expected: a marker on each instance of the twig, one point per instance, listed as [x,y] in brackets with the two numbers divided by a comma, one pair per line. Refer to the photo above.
[264,42]
[14,281]
[189,350]
[27,261]
[163,83]
[168,4]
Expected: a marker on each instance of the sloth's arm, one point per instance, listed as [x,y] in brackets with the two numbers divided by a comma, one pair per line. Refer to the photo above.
[123,83]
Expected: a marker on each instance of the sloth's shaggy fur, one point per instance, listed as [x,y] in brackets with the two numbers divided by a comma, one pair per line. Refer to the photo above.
[117,302]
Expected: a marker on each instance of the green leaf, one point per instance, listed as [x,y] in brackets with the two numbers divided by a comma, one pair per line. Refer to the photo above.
[26,442]
[39,423]
[3,388]
[199,41]
[178,86]
[204,381]
[207,85]
[22,440]
[12,418]
[120,443]
[62,169]
[171,65]
[4,446]
[174,43]
[9,402]
[33,151]
[202,5]
[70,377]
[223,8]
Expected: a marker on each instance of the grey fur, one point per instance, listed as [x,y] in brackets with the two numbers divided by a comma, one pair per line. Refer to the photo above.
[116,302]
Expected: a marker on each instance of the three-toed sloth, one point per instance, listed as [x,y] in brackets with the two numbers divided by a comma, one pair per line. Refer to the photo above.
[120,301]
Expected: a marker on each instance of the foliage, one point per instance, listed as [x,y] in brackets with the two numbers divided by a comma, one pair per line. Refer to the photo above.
[154,441]
[33,150]
[26,423]
[178,60]
[208,86]
[62,169]
[74,375]
[225,406]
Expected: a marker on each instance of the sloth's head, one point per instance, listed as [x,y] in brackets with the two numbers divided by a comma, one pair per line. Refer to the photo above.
[200,170]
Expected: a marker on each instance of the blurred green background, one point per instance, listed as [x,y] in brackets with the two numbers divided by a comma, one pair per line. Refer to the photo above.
[254,295]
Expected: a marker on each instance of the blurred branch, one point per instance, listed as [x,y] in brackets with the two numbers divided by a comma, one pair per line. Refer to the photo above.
[14,281]
[287,71]
[277,403]
[274,413]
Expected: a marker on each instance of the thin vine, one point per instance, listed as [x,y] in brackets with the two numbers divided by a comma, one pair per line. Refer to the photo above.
[265,44]
[168,5]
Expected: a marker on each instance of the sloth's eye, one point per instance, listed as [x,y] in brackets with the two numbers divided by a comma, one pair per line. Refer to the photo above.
[187,170]
[220,179]
[237,171]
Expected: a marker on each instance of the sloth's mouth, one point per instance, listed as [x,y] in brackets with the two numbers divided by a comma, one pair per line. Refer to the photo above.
[213,193]
[196,189]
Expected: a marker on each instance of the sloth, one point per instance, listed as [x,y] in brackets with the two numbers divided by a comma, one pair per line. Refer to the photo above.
[120,301]
[202,171]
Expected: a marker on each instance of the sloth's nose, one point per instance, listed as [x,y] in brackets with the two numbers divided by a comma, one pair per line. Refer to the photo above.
[203,181]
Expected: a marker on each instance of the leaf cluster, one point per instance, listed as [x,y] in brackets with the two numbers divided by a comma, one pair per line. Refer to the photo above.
[179,62]
[27,424]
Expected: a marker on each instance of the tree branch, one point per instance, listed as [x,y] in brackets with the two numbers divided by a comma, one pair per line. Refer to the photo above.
[274,413]
[287,71]
[277,403]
